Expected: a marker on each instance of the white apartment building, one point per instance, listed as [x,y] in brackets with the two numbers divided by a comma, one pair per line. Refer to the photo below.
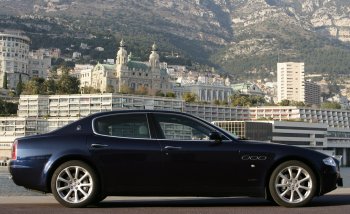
[43,113]
[14,49]
[290,81]
[335,118]
[80,105]
[15,127]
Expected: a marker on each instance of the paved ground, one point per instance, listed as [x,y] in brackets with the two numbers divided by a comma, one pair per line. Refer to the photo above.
[333,204]
[49,199]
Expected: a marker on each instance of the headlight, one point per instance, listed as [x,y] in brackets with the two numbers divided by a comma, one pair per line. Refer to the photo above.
[329,161]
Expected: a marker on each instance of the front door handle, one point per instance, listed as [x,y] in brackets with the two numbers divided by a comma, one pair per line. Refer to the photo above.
[169,148]
[96,146]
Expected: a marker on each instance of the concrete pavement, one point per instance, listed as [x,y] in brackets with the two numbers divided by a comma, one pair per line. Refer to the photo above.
[49,199]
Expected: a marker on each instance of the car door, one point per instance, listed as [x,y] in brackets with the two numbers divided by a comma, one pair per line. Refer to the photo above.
[193,164]
[130,162]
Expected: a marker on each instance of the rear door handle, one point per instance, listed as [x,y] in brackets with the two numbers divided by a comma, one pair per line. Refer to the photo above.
[169,148]
[96,146]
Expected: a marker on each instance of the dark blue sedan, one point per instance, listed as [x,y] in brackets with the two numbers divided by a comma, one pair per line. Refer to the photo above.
[162,153]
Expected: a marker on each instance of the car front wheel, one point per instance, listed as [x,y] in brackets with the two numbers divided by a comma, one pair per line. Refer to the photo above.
[292,184]
[74,184]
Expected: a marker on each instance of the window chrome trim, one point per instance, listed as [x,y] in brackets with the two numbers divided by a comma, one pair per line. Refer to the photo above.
[120,137]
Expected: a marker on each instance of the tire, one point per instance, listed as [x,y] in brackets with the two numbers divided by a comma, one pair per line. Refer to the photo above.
[292,184]
[74,184]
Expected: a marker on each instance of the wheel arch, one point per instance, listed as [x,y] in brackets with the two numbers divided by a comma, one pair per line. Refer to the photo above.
[291,158]
[65,159]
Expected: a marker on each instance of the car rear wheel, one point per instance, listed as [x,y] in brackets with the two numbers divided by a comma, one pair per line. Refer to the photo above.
[75,184]
[292,184]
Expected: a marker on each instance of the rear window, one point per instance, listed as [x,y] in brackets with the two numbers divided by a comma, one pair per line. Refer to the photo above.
[123,125]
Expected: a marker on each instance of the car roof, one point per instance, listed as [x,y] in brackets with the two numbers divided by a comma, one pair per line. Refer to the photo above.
[135,111]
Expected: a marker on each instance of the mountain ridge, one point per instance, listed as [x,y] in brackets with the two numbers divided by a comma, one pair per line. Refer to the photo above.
[239,36]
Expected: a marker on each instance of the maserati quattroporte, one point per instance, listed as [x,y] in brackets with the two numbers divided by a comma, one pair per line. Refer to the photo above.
[163,153]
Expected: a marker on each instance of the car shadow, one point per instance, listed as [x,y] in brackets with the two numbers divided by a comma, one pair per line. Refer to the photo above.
[324,201]
[186,202]
[330,200]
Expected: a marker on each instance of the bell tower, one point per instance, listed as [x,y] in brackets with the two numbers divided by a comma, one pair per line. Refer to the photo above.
[122,55]
[154,57]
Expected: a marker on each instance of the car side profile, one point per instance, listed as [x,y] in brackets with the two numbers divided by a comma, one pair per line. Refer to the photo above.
[165,153]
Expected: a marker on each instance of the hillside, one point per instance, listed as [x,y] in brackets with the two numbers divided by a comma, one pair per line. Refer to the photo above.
[240,36]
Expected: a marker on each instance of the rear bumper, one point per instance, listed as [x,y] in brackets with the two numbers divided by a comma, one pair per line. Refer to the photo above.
[27,176]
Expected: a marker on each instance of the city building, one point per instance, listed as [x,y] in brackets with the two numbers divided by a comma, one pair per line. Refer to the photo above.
[312,93]
[323,129]
[76,55]
[14,50]
[285,132]
[342,100]
[290,81]
[207,88]
[55,53]
[126,75]
[247,88]
[204,92]
[135,75]
[103,78]
[39,64]
[247,130]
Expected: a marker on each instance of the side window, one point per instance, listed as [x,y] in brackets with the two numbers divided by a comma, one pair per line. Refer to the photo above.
[177,127]
[123,125]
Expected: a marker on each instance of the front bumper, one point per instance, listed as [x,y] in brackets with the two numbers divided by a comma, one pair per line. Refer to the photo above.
[340,182]
[330,179]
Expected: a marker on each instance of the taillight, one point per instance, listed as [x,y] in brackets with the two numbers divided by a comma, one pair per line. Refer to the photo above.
[14,150]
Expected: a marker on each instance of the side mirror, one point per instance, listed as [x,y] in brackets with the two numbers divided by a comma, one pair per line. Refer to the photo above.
[215,136]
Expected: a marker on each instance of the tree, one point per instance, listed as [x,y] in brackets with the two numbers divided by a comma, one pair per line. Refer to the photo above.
[331,105]
[34,86]
[110,89]
[189,97]
[246,100]
[50,86]
[300,104]
[124,89]
[19,87]
[4,83]
[90,90]
[159,93]
[8,108]
[68,84]
[216,102]
[284,103]
[170,94]
[142,90]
